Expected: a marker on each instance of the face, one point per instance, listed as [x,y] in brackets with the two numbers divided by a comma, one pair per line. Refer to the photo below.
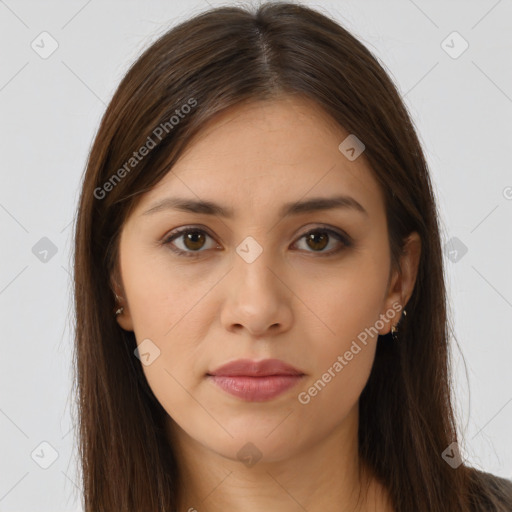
[311,287]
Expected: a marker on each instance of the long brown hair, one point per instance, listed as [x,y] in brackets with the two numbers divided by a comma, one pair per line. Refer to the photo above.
[213,61]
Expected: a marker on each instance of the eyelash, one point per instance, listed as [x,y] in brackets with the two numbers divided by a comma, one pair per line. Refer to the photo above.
[345,239]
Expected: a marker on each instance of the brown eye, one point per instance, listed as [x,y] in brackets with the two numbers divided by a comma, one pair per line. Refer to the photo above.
[194,240]
[318,239]
[191,241]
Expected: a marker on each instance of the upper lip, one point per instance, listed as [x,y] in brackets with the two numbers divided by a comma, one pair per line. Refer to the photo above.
[251,368]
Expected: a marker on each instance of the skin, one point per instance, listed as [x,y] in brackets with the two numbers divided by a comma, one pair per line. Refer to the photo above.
[290,303]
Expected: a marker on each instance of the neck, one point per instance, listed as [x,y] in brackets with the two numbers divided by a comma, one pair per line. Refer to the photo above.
[326,475]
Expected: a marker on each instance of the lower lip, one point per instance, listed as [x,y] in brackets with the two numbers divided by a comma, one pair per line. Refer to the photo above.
[256,389]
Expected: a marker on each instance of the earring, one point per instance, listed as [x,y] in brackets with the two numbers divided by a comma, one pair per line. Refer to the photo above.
[394,330]
[121,309]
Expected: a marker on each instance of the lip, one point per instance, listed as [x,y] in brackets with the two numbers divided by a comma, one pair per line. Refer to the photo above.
[256,381]
[249,368]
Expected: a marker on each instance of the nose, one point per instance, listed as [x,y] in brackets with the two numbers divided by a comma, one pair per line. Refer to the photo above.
[257,298]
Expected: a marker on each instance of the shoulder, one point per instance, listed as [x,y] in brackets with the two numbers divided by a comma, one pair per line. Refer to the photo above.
[490,493]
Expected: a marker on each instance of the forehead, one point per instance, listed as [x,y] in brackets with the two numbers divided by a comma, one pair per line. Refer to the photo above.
[257,156]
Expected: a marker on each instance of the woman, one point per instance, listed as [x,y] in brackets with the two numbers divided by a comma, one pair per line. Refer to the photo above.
[260,301]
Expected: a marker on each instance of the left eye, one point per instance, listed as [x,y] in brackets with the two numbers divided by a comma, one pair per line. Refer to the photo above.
[193,241]
[320,238]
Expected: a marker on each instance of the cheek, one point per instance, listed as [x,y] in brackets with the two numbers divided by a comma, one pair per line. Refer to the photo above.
[341,366]
[347,301]
[333,393]
[159,296]
[343,355]
[169,319]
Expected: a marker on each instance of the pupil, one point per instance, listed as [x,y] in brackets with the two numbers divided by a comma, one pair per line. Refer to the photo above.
[190,238]
[313,238]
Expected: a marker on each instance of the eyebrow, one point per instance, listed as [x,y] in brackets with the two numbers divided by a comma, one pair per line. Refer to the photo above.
[314,204]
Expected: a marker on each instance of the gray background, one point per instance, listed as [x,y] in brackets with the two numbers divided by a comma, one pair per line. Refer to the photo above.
[51,108]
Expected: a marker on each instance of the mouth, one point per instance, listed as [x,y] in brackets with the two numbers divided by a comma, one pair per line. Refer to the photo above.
[256,381]
[256,389]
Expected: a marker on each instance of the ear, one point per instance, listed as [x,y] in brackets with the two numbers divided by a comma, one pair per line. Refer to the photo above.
[401,284]
[124,319]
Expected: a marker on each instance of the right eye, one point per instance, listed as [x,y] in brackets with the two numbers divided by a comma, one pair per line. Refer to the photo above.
[192,240]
